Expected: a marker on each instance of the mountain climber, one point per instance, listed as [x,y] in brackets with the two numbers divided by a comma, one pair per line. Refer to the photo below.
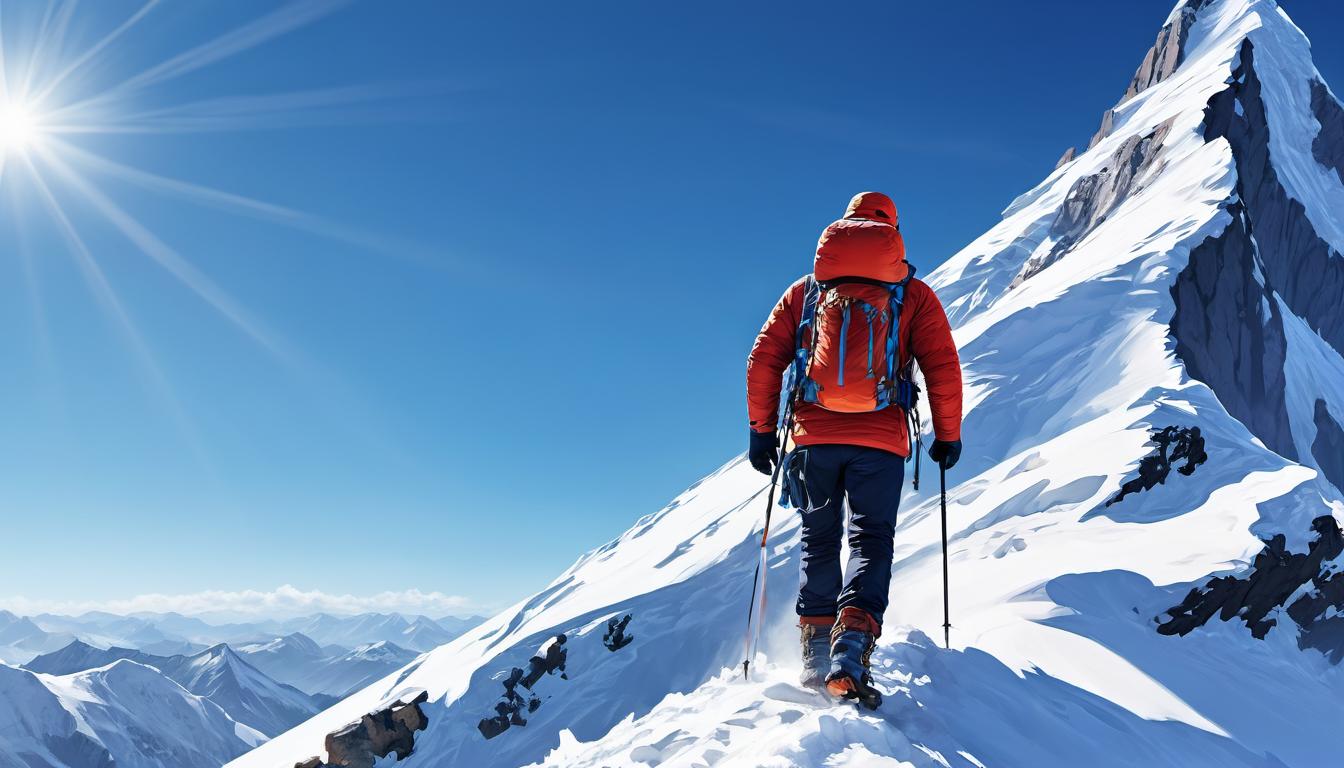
[843,340]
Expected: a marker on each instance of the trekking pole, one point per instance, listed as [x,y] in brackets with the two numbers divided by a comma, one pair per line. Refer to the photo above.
[947,624]
[753,637]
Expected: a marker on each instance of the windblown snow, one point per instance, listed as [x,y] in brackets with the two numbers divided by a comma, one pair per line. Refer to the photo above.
[1063,315]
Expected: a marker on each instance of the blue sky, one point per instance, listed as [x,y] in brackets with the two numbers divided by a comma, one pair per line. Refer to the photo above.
[542,237]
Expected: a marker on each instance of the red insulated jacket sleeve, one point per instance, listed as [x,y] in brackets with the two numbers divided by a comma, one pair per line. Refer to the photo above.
[933,348]
[770,355]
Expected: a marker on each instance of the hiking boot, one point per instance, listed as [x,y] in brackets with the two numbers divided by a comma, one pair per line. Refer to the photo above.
[816,638]
[852,642]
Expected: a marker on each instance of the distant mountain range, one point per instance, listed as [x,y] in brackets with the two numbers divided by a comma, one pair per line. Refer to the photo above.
[123,715]
[22,638]
[299,661]
[149,690]
[217,674]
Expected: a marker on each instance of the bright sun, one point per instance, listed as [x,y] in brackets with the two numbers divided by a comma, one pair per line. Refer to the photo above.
[19,127]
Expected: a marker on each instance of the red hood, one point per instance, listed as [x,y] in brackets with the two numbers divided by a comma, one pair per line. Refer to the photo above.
[867,242]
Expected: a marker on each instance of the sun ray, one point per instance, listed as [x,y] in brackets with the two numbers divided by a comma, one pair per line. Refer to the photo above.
[188,190]
[41,324]
[51,84]
[111,303]
[4,67]
[47,96]
[55,23]
[241,204]
[234,113]
[287,18]
[163,255]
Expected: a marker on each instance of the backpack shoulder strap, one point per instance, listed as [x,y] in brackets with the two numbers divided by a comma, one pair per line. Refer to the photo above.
[811,295]
[894,330]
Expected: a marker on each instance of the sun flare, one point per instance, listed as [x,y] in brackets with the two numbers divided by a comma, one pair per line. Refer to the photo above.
[20,127]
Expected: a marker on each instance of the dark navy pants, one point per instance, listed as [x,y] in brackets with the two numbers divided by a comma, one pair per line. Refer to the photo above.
[821,478]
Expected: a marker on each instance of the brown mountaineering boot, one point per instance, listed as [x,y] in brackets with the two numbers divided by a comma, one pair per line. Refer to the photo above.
[852,642]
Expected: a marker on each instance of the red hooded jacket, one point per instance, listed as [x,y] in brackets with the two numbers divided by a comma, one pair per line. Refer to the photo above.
[868,232]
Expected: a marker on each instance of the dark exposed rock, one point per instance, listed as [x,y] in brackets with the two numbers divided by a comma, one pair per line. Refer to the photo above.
[549,659]
[1328,147]
[615,638]
[1300,266]
[1094,197]
[1319,630]
[1328,447]
[1171,445]
[378,734]
[312,762]
[1066,158]
[1227,324]
[1275,575]
[518,697]
[1229,332]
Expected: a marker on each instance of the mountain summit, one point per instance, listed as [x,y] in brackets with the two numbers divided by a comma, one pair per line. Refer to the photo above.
[1145,535]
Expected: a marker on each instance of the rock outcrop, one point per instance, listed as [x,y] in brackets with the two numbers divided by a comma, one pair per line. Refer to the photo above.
[1275,575]
[1161,61]
[1328,447]
[1167,52]
[1300,266]
[383,732]
[1234,283]
[1328,146]
[1094,197]
[1229,332]
[1066,158]
[1171,445]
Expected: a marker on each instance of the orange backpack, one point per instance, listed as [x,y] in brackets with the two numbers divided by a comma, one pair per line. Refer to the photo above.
[848,341]
[849,344]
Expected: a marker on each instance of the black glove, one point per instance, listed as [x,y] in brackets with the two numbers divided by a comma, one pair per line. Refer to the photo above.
[945,452]
[764,451]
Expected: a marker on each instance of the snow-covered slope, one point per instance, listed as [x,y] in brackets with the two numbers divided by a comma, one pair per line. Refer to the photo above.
[217,674]
[124,715]
[240,689]
[1172,298]
[298,661]
[79,656]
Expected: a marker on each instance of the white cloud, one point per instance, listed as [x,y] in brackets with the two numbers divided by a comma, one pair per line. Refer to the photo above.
[283,602]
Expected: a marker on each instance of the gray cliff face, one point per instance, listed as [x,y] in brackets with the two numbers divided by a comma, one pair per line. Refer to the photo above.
[1093,198]
[1229,331]
[1161,61]
[1167,53]
[1066,158]
[1107,123]
[1271,247]
[1328,147]
[1304,270]
[1328,447]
